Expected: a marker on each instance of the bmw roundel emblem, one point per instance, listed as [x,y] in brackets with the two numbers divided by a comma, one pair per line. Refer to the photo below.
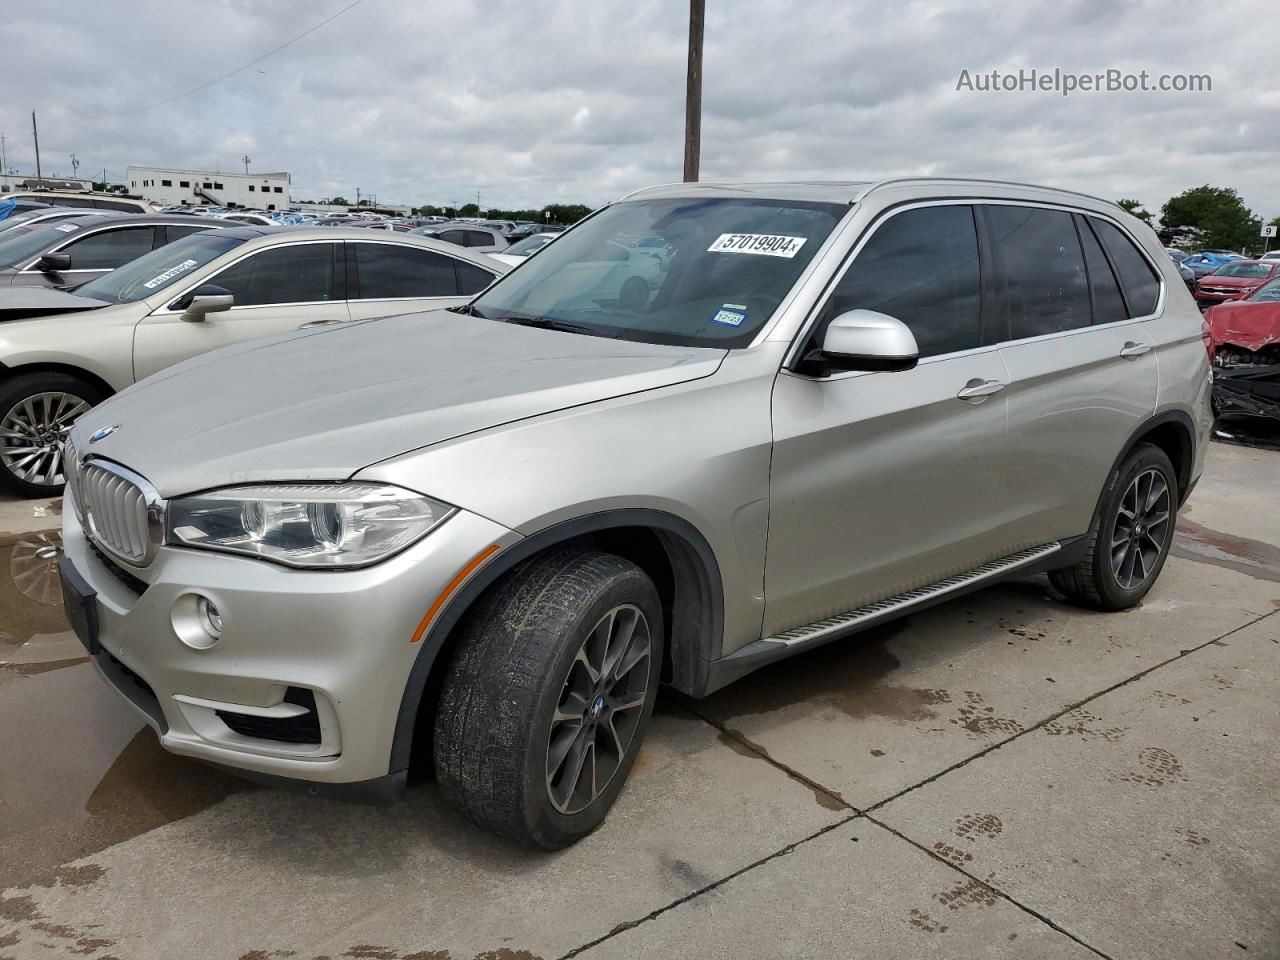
[103,433]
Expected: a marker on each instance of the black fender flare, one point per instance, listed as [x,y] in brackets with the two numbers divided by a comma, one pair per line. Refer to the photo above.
[706,568]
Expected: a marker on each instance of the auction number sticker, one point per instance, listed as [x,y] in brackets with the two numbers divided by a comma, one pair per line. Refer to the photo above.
[765,244]
[169,274]
[67,227]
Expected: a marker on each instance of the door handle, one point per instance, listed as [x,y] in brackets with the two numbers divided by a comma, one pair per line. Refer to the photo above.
[319,323]
[1132,350]
[978,390]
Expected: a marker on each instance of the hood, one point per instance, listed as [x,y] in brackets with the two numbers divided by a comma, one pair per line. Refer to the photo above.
[1234,283]
[1243,324]
[23,303]
[321,404]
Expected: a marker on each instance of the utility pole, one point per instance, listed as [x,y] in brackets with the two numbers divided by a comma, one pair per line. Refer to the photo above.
[4,167]
[75,168]
[245,158]
[477,203]
[357,197]
[693,93]
[35,133]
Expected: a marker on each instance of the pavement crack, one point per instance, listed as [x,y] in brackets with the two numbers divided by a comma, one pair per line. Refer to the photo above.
[653,914]
[988,885]
[1040,724]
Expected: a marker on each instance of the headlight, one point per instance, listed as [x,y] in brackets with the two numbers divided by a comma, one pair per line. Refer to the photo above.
[306,524]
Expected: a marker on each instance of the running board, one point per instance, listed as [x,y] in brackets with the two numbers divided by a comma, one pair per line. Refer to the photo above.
[756,654]
[893,606]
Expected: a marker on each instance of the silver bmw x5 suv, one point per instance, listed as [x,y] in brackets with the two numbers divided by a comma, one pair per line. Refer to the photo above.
[710,427]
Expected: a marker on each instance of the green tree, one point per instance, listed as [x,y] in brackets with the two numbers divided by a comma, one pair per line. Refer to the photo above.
[566,213]
[1218,211]
[340,201]
[1136,208]
[468,210]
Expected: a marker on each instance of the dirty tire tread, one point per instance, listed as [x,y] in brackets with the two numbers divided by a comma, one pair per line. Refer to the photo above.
[1084,584]
[29,383]
[509,641]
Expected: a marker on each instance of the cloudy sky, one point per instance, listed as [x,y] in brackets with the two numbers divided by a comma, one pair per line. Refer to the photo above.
[533,101]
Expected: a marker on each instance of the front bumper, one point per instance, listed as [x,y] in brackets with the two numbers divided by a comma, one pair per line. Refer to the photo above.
[344,636]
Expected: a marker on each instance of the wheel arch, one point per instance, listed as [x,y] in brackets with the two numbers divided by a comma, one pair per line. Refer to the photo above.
[1173,432]
[670,549]
[8,372]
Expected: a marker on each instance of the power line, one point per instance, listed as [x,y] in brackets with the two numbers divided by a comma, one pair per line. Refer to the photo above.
[231,73]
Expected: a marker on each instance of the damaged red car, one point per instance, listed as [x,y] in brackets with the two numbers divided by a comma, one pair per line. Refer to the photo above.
[1246,376]
[1235,281]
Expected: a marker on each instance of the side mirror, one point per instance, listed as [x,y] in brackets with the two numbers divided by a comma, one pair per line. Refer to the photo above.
[54,262]
[204,299]
[864,340]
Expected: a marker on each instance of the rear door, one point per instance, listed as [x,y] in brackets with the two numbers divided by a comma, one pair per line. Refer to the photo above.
[882,482]
[276,289]
[1079,354]
[389,278]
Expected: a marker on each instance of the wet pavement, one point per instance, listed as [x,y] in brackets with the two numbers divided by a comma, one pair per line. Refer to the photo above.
[999,776]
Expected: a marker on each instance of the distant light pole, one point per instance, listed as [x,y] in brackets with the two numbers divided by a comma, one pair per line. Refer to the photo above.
[245,161]
[693,93]
[35,134]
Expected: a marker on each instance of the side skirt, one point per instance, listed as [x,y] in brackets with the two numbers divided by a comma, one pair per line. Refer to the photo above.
[1049,556]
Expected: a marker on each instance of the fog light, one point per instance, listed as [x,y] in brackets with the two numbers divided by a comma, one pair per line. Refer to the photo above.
[197,621]
[212,620]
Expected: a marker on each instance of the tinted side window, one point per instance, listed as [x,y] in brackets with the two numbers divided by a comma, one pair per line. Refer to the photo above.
[477,239]
[1043,270]
[72,201]
[1108,305]
[301,273]
[391,271]
[921,266]
[471,279]
[453,236]
[1141,286]
[116,205]
[110,249]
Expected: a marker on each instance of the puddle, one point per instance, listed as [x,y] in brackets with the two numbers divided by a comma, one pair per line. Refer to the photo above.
[1191,541]
[81,771]
[848,675]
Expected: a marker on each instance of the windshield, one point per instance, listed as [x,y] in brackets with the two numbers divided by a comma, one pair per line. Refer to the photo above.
[1243,270]
[1269,293]
[158,269]
[22,243]
[710,271]
[522,248]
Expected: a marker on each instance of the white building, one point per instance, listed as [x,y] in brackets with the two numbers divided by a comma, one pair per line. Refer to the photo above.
[166,185]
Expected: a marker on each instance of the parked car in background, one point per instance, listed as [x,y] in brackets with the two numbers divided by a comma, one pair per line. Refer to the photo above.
[256,219]
[470,235]
[489,533]
[206,291]
[41,215]
[521,249]
[1205,262]
[1234,281]
[115,202]
[1271,255]
[523,230]
[76,250]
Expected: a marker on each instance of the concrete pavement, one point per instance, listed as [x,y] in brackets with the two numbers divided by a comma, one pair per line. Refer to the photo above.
[1000,776]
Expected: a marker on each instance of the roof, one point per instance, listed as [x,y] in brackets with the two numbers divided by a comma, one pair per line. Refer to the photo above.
[852,191]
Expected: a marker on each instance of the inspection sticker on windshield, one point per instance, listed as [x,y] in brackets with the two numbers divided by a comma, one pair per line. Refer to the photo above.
[731,314]
[766,244]
[169,274]
[67,227]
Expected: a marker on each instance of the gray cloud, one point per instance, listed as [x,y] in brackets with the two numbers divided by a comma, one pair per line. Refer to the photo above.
[528,102]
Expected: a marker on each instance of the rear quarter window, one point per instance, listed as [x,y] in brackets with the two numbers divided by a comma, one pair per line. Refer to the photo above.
[1138,280]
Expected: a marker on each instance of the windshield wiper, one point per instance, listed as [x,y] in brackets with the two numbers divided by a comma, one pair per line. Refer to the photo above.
[546,323]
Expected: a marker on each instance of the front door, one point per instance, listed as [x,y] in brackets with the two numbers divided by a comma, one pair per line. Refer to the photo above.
[883,482]
[276,289]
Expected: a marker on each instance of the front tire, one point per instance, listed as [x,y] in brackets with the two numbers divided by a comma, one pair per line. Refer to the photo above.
[549,695]
[1130,537]
[37,411]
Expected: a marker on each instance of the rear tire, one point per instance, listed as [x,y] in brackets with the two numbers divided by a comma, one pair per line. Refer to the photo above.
[37,411]
[552,684]
[1130,536]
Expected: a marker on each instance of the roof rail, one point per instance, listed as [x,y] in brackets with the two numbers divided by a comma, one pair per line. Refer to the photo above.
[889,181]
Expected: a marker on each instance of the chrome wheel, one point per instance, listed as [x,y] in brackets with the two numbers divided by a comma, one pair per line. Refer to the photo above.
[32,432]
[1142,528]
[599,710]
